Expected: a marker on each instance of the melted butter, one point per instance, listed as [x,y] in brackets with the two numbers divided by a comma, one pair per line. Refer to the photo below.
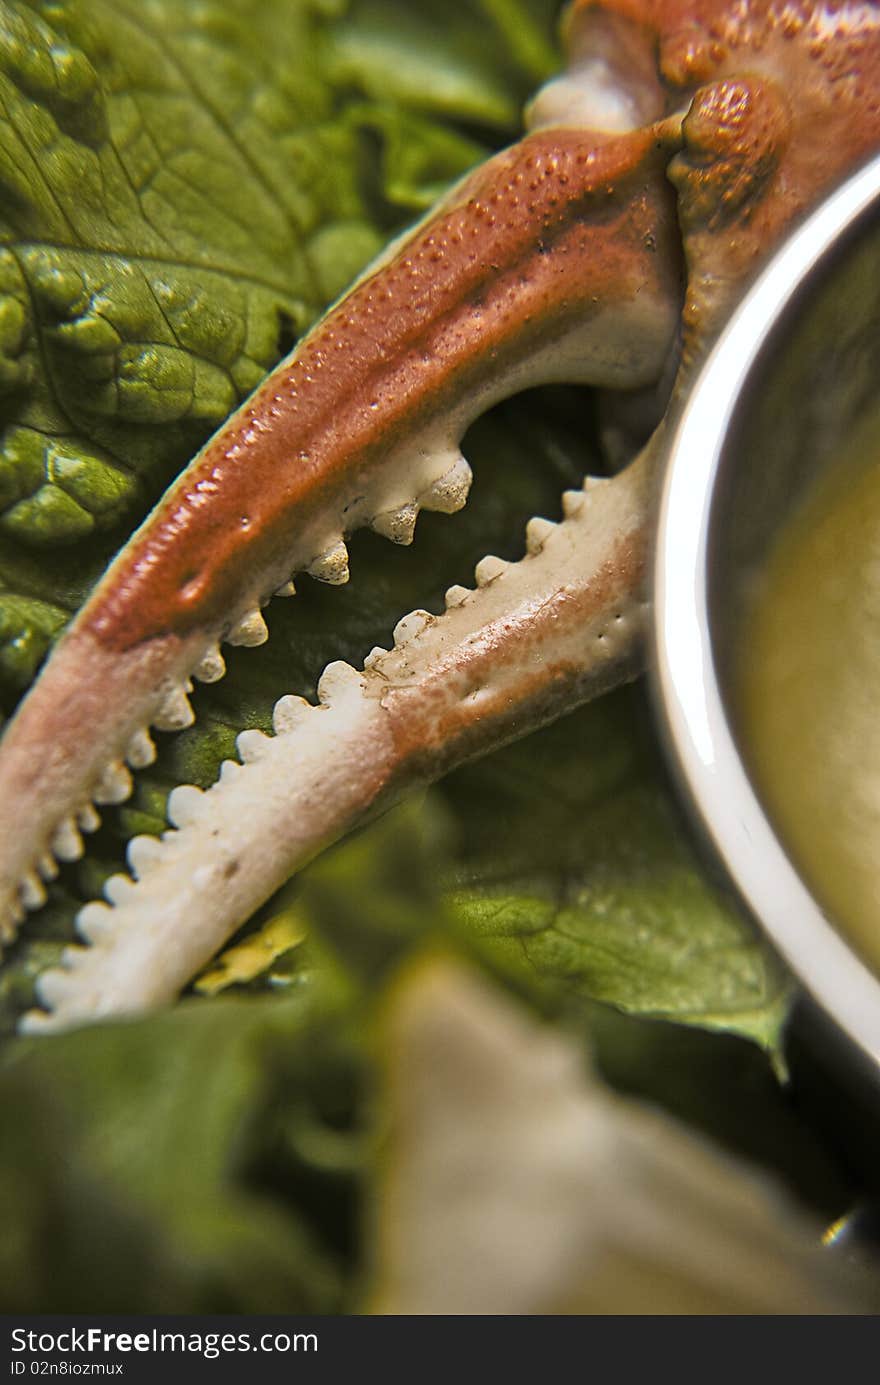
[809,691]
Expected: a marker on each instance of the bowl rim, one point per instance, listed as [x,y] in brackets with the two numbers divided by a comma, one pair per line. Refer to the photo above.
[685,685]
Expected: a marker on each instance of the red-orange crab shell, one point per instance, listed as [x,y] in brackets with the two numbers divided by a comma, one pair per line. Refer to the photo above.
[602,219]
[707,125]
[783,98]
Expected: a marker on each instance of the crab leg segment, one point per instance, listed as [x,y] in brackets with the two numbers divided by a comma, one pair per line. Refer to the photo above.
[533,639]
[560,259]
[557,260]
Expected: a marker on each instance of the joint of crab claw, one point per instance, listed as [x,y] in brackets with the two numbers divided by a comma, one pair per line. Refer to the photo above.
[611,84]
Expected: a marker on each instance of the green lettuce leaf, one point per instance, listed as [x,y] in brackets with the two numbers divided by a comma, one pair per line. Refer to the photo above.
[576,867]
[184,187]
[142,1169]
[483,59]
[144,304]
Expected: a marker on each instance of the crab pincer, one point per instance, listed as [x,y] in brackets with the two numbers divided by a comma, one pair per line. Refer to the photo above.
[561,259]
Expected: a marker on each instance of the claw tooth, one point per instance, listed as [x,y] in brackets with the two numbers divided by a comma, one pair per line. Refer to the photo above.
[332,565]
[249,631]
[538,532]
[211,667]
[50,988]
[397,525]
[53,986]
[288,713]
[184,804]
[118,888]
[10,919]
[47,866]
[143,852]
[410,626]
[450,491]
[488,569]
[115,784]
[33,891]
[338,679]
[67,844]
[456,596]
[252,745]
[141,750]
[229,770]
[175,712]
[89,818]
[286,589]
[572,503]
[36,1022]
[94,921]
[375,656]
[74,956]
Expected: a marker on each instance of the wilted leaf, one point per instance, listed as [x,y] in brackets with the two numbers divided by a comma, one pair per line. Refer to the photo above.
[514,1183]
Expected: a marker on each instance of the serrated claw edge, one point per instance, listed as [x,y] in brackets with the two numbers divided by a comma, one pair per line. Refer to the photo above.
[329,766]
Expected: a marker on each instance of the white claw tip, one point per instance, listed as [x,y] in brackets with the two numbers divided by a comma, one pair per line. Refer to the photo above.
[411,626]
[115,784]
[538,532]
[48,866]
[397,525]
[286,589]
[211,667]
[449,493]
[36,1022]
[456,596]
[572,503]
[52,987]
[141,750]
[88,818]
[252,745]
[332,565]
[117,888]
[375,656]
[67,844]
[175,713]
[142,853]
[184,804]
[12,916]
[33,891]
[288,713]
[94,921]
[249,631]
[338,680]
[489,569]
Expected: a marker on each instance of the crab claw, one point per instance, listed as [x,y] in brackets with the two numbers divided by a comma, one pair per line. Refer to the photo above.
[529,641]
[556,261]
[559,260]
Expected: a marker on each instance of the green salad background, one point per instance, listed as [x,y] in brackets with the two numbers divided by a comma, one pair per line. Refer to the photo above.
[184,186]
